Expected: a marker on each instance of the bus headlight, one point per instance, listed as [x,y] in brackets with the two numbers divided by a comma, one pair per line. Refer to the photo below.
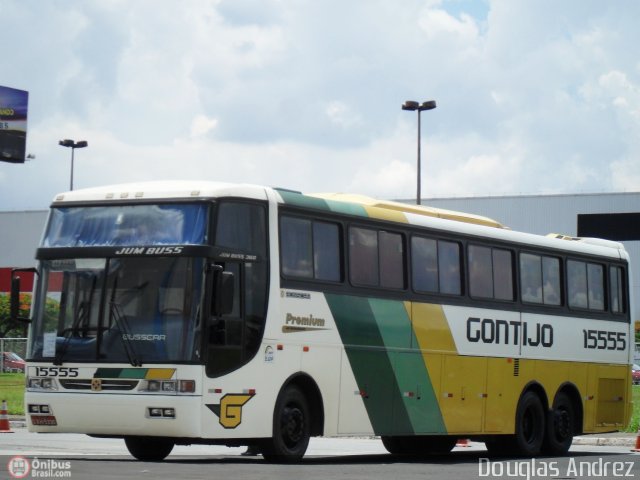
[171,387]
[37,383]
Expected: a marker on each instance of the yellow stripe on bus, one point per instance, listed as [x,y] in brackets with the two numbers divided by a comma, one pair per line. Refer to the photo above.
[160,373]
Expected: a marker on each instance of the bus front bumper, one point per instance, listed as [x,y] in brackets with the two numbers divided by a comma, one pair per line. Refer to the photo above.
[113,414]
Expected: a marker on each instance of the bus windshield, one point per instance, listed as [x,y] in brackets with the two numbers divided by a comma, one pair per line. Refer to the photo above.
[101,226]
[134,310]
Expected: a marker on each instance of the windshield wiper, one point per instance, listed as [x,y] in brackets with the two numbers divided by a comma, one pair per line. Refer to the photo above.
[125,336]
[81,314]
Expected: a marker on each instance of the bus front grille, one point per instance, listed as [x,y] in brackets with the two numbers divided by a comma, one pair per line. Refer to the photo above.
[85,384]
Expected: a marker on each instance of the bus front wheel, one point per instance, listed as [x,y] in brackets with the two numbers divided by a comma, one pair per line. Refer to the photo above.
[148,449]
[291,428]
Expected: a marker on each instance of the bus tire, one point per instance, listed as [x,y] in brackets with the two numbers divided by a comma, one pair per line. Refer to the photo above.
[148,449]
[560,426]
[291,428]
[530,425]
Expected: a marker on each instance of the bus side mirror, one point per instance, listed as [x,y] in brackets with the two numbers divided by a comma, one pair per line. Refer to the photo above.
[14,299]
[223,292]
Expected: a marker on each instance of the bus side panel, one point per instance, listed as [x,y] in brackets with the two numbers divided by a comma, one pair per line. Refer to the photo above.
[378,335]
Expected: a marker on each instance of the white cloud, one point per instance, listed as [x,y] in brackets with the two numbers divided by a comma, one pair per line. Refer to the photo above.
[202,125]
[532,96]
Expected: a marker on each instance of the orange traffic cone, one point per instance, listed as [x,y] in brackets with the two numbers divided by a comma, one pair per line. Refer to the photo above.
[637,448]
[463,442]
[4,419]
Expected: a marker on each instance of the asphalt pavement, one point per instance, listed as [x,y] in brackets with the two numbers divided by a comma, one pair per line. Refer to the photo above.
[616,439]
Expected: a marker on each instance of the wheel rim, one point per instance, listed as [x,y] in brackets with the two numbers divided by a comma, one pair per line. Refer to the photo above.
[562,424]
[530,425]
[292,425]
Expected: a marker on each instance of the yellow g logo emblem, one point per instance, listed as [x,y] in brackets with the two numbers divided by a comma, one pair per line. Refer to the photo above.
[229,410]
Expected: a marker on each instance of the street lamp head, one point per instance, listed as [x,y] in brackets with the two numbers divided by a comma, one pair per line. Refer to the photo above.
[428,105]
[410,105]
[70,143]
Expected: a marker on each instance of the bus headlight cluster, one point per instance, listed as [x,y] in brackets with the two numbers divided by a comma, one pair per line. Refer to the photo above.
[171,387]
[37,383]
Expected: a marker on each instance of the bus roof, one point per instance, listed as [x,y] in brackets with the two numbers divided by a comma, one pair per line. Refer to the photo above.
[407,208]
[349,204]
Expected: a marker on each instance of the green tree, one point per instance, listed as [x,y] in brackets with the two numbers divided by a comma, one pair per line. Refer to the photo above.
[9,329]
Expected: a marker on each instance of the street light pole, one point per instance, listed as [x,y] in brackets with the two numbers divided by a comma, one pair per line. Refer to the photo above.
[419,107]
[72,145]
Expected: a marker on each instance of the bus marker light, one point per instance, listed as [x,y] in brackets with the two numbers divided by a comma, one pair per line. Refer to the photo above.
[217,390]
[280,346]
[305,349]
[249,391]
[448,395]
[189,386]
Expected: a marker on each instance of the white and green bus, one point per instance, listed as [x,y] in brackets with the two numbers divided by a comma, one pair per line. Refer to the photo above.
[181,313]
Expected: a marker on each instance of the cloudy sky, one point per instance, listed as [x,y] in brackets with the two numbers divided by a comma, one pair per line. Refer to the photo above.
[533,96]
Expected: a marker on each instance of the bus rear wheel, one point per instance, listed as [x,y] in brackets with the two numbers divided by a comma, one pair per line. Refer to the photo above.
[148,449]
[560,426]
[291,428]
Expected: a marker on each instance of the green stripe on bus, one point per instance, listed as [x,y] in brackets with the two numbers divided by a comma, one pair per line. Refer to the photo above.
[378,336]
[300,200]
[370,363]
[417,393]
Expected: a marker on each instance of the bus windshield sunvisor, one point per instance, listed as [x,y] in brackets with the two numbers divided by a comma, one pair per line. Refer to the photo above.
[102,226]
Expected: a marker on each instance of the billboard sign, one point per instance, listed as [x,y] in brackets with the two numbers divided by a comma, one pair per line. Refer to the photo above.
[13,124]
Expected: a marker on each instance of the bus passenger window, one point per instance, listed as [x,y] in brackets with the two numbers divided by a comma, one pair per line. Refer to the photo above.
[616,288]
[435,266]
[449,267]
[326,251]
[310,249]
[363,256]
[424,264]
[531,278]
[480,272]
[502,274]
[595,285]
[551,280]
[577,282]
[296,247]
[391,260]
